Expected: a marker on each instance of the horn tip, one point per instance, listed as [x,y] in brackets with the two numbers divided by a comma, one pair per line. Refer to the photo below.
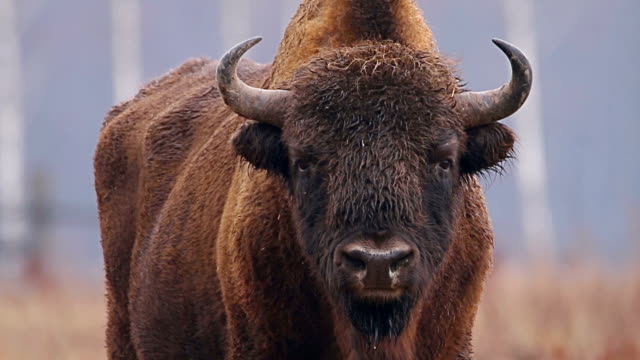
[248,44]
[507,47]
[254,40]
[238,51]
[502,44]
[498,41]
[513,52]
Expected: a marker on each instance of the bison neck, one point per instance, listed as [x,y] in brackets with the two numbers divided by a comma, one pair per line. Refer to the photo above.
[326,24]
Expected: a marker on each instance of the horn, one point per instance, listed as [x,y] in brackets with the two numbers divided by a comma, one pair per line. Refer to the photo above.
[482,108]
[268,106]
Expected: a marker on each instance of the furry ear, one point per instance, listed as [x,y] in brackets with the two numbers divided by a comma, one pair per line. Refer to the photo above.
[487,147]
[260,144]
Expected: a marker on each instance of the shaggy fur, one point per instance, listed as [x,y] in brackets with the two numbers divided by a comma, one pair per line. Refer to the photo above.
[209,256]
[329,24]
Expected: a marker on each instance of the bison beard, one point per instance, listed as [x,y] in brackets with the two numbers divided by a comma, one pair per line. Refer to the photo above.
[378,320]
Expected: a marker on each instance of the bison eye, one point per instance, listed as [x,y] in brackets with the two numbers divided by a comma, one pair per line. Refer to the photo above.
[445,165]
[303,165]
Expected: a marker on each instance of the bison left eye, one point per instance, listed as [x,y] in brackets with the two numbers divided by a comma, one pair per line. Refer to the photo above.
[303,165]
[445,165]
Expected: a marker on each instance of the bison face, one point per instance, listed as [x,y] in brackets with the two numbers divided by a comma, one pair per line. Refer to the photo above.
[375,154]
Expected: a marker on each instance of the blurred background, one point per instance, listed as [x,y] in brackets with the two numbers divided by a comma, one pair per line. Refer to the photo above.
[566,213]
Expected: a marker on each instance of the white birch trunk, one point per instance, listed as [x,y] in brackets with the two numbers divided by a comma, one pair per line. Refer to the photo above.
[235,22]
[126,48]
[531,169]
[13,223]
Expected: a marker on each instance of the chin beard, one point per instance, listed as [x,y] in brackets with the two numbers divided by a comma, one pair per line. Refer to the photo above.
[379,320]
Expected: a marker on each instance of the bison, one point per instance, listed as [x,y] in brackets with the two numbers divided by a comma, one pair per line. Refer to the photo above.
[322,207]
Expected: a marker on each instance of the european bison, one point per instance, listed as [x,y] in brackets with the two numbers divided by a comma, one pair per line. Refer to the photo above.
[323,207]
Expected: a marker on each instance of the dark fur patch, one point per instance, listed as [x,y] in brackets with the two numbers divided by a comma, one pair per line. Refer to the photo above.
[376,321]
[487,148]
[260,145]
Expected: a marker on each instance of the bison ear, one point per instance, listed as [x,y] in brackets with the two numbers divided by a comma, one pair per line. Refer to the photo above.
[260,144]
[487,147]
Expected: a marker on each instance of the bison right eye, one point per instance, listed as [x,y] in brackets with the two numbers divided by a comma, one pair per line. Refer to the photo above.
[445,165]
[303,165]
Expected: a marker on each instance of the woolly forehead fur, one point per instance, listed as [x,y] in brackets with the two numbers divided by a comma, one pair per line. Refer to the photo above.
[370,90]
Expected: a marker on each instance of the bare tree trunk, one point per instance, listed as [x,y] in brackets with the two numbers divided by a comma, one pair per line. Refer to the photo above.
[13,222]
[126,45]
[531,170]
[235,21]
[40,212]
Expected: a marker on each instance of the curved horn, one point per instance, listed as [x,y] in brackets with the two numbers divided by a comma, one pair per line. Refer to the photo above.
[482,108]
[262,105]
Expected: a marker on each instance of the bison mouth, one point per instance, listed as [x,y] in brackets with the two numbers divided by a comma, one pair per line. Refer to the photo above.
[377,320]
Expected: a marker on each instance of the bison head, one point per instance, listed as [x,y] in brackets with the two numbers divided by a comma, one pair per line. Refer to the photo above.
[375,142]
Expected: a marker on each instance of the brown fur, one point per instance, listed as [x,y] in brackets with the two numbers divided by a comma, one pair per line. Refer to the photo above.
[201,254]
[327,24]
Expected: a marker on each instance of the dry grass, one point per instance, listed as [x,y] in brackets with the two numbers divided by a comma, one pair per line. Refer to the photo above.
[580,313]
[583,312]
[55,325]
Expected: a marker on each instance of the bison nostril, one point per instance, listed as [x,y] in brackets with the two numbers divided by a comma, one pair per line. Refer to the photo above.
[402,261]
[353,261]
[377,267]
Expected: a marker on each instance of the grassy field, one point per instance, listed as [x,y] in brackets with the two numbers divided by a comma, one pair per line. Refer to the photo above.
[579,313]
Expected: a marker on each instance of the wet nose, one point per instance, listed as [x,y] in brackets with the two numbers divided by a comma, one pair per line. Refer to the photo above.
[377,265]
